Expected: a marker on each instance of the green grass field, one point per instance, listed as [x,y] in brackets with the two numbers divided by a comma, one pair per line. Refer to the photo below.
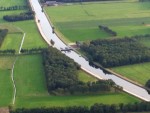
[80,22]
[12,41]
[86,77]
[83,100]
[145,42]
[29,76]
[8,3]
[33,38]
[6,89]
[138,72]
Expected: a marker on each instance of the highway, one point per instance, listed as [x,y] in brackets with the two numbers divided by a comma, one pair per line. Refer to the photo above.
[46,29]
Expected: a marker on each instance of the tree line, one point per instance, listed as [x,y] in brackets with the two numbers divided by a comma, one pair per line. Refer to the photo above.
[62,76]
[144,0]
[96,108]
[22,16]
[116,52]
[8,51]
[107,30]
[29,15]
[32,51]
[3,33]
[11,8]
[43,1]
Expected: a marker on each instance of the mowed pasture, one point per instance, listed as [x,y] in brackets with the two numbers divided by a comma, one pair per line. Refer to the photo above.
[137,72]
[6,88]
[33,39]
[13,38]
[12,41]
[76,100]
[8,3]
[32,91]
[79,22]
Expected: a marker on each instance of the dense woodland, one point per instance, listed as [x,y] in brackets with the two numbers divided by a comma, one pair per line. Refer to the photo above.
[96,108]
[3,33]
[62,75]
[117,52]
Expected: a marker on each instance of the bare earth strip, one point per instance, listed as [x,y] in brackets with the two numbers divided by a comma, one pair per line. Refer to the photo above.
[4,110]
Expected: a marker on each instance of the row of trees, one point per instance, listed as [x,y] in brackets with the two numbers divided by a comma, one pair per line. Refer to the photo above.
[144,0]
[8,51]
[3,33]
[116,52]
[62,75]
[108,30]
[75,0]
[10,8]
[96,108]
[22,16]
[32,51]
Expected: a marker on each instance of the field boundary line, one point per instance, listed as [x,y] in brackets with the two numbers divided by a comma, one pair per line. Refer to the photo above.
[22,42]
[12,78]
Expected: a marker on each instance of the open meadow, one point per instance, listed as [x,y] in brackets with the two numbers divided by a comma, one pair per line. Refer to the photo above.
[6,89]
[137,72]
[79,22]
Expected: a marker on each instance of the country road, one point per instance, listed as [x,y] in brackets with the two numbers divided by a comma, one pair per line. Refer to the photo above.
[46,29]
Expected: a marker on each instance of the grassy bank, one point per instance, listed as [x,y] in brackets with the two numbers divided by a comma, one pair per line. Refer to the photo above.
[138,72]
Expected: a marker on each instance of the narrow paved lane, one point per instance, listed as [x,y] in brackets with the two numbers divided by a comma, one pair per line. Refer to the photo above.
[46,28]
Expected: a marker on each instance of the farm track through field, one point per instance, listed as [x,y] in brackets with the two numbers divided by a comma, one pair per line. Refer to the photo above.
[12,71]
[13,81]
[22,42]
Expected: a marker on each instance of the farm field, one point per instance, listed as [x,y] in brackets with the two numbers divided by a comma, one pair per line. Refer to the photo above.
[80,22]
[12,41]
[6,89]
[29,68]
[33,38]
[87,100]
[137,72]
[14,2]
